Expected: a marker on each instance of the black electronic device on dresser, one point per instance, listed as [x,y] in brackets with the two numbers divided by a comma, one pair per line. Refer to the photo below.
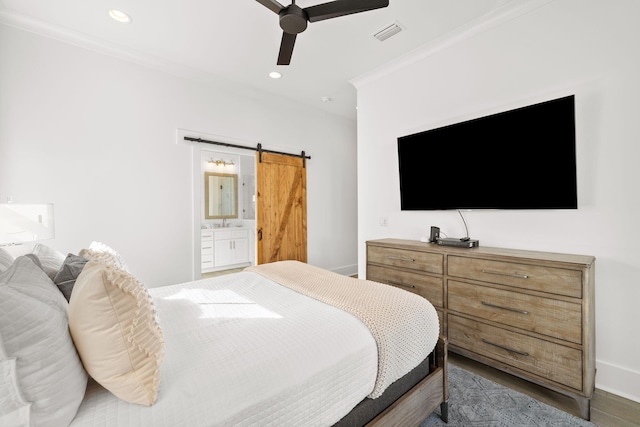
[435,234]
[463,242]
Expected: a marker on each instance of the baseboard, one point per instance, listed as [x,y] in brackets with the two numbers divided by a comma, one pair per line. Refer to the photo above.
[618,380]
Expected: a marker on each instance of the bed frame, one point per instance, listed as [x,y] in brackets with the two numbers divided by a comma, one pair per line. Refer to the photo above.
[412,408]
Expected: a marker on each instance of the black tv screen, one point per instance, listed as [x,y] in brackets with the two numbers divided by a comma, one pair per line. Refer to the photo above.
[518,159]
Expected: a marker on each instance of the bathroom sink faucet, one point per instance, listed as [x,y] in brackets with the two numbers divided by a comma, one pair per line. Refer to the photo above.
[224,222]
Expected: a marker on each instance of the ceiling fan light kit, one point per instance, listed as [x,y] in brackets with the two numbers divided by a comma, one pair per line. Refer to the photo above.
[294,19]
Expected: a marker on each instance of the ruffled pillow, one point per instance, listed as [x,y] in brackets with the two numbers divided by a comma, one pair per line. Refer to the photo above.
[115,328]
[104,253]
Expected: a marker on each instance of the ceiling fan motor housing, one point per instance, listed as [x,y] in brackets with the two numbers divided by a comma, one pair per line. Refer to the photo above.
[293,19]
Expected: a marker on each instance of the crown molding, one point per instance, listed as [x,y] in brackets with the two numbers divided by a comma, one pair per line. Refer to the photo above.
[84,41]
[42,28]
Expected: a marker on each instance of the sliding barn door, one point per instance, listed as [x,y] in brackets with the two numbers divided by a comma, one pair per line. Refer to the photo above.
[282,208]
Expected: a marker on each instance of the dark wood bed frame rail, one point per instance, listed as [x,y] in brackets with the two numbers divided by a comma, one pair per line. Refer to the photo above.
[418,403]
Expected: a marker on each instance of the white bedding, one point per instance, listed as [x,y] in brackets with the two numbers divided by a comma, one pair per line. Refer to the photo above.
[301,362]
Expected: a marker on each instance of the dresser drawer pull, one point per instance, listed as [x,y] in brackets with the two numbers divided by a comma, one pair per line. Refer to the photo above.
[504,308]
[401,258]
[497,273]
[505,348]
[207,247]
[400,284]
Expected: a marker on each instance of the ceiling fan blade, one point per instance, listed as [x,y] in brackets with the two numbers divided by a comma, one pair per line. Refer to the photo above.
[271,4]
[286,48]
[338,8]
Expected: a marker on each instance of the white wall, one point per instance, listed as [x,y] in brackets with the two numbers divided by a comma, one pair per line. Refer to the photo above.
[96,136]
[586,47]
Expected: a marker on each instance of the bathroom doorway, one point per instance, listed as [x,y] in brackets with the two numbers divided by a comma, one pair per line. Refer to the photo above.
[227,211]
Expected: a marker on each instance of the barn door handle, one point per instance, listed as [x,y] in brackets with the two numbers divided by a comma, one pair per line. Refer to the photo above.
[260,234]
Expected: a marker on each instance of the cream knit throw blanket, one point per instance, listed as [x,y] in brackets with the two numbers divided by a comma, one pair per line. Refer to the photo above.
[404,325]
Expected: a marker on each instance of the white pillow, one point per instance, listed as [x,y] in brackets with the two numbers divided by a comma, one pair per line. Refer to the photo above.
[34,330]
[5,260]
[50,259]
[17,250]
[114,326]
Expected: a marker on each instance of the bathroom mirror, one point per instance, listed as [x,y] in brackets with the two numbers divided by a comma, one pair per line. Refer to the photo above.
[220,195]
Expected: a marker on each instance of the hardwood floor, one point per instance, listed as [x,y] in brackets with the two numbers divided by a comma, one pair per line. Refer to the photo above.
[607,409]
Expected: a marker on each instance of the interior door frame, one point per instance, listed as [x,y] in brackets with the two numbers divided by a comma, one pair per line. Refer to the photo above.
[197,197]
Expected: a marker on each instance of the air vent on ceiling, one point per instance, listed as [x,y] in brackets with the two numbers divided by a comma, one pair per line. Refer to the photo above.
[388,31]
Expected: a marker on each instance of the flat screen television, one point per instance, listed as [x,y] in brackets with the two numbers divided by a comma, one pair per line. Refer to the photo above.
[519,159]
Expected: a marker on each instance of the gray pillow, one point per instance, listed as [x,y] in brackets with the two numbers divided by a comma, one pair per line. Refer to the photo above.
[47,381]
[66,277]
[34,258]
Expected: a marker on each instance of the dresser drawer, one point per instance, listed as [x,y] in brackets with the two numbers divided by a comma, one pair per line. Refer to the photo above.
[432,288]
[534,277]
[560,364]
[414,260]
[547,316]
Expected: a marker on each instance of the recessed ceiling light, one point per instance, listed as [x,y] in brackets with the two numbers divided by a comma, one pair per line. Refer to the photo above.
[275,75]
[120,16]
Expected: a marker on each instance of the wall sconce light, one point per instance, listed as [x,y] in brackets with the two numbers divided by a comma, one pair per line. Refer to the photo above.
[25,223]
[221,163]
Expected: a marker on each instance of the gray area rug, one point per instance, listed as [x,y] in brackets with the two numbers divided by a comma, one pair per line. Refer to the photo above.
[476,401]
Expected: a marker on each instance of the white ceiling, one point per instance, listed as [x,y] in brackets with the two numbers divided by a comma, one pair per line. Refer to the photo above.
[239,39]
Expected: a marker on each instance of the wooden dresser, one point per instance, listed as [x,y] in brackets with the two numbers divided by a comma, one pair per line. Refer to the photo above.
[527,313]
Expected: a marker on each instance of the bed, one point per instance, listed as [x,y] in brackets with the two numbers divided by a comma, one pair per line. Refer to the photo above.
[278,344]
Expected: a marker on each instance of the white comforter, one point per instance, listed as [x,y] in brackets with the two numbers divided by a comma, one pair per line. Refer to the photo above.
[244,351]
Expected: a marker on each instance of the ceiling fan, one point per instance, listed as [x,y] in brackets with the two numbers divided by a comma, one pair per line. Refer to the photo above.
[293,18]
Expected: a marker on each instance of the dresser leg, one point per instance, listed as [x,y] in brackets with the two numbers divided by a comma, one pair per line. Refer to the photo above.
[584,406]
[444,411]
